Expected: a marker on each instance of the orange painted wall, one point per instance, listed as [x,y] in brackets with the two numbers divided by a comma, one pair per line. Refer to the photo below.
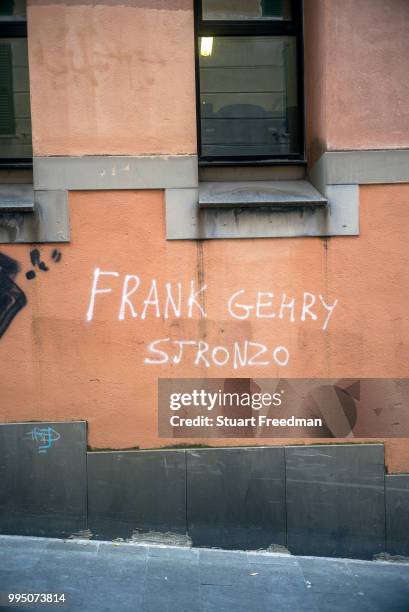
[55,365]
[122,79]
[112,77]
[117,77]
[356,65]
[315,77]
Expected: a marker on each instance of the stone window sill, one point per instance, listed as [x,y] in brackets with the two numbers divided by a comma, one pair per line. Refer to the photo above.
[256,194]
[261,209]
[28,215]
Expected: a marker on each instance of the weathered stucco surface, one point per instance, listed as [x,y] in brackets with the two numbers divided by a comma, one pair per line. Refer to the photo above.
[57,366]
[117,77]
[356,65]
[122,76]
[110,77]
[315,74]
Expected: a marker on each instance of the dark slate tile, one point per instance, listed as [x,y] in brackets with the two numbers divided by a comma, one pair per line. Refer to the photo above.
[223,557]
[376,577]
[61,547]
[225,598]
[102,594]
[242,598]
[20,582]
[236,497]
[336,500]
[136,491]
[174,552]
[230,568]
[171,570]
[397,514]
[384,585]
[119,567]
[66,564]
[277,578]
[392,602]
[43,478]
[271,558]
[328,576]
[223,568]
[343,602]
[169,596]
[19,560]
[291,603]
[120,549]
[25,544]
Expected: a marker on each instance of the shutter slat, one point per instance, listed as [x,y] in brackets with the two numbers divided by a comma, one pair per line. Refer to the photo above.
[7,118]
[272,8]
[6,7]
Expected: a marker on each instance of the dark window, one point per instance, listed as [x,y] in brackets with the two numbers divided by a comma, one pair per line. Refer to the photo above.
[249,65]
[15,122]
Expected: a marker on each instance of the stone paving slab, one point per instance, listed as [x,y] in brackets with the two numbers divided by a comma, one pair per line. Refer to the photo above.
[108,576]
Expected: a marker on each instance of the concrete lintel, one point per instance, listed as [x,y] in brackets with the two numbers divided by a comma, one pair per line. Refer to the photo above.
[186,221]
[115,172]
[48,223]
[361,167]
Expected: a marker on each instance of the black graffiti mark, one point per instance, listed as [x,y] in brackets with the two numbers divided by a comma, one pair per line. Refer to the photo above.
[37,261]
[9,266]
[56,255]
[12,298]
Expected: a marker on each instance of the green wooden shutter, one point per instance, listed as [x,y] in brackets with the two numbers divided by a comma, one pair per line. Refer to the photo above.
[272,8]
[7,120]
[6,7]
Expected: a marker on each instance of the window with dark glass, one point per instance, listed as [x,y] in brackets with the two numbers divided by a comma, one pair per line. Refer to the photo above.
[249,79]
[15,123]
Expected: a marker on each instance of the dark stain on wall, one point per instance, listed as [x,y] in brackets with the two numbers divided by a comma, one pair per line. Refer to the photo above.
[12,298]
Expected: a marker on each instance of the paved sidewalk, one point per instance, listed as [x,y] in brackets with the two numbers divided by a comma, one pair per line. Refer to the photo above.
[102,576]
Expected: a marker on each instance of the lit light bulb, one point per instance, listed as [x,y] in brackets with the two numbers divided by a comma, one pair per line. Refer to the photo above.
[206,46]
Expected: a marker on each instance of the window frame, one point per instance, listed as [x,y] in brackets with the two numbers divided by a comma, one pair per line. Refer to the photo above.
[14,28]
[254,28]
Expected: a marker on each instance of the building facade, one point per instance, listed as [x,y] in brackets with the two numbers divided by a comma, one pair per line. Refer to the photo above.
[210,190]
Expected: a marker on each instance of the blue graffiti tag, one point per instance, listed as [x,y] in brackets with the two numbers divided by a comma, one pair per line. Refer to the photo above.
[44,436]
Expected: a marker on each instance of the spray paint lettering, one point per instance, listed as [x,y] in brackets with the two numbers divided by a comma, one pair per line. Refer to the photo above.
[139,299]
[45,438]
